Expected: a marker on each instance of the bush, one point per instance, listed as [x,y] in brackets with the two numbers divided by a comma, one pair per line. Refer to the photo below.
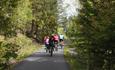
[14,49]
[7,51]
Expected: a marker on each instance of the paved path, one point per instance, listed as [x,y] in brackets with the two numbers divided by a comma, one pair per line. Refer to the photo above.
[43,61]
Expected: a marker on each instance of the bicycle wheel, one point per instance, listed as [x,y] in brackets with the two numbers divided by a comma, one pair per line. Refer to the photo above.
[56,47]
[51,51]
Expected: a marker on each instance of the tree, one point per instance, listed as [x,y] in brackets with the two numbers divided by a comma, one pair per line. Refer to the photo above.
[44,18]
[95,33]
[14,15]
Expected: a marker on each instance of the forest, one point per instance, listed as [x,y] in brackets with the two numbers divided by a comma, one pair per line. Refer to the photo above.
[24,23]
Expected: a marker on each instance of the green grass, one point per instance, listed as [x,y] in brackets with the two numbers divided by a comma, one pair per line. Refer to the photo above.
[74,62]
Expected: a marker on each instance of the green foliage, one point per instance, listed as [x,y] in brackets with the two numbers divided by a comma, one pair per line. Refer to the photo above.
[45,17]
[15,49]
[39,17]
[22,14]
[94,34]
[7,52]
[75,62]
[14,15]
[25,44]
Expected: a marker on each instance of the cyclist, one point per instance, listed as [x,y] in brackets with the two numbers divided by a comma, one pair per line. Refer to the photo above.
[46,42]
[56,40]
[51,44]
[61,37]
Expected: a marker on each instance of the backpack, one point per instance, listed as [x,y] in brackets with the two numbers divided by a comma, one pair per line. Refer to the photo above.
[56,37]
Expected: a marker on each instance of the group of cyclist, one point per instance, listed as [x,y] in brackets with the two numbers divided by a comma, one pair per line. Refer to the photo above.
[54,41]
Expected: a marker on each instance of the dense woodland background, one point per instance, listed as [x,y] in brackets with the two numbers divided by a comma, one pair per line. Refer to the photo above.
[25,22]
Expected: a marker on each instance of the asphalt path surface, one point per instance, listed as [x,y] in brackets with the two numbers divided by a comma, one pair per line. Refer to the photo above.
[43,61]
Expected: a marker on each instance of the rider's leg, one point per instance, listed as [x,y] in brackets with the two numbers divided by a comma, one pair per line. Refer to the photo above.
[62,43]
[56,45]
[46,47]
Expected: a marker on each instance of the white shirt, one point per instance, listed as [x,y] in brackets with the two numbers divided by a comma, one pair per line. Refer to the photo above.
[61,36]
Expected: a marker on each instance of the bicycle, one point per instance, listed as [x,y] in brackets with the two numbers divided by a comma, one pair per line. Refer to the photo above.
[56,46]
[51,51]
[62,44]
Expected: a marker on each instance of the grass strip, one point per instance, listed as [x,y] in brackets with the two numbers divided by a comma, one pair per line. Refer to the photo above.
[74,62]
